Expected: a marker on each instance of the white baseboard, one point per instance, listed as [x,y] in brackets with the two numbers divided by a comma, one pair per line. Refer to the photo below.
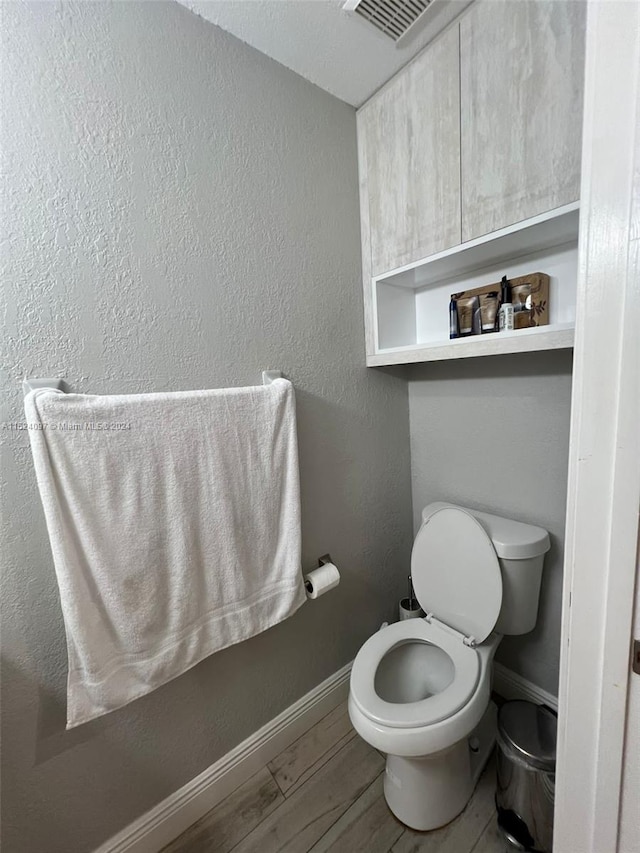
[157,827]
[510,685]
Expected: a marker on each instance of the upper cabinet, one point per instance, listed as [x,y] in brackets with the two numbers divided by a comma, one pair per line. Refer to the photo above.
[409,153]
[469,162]
[521,76]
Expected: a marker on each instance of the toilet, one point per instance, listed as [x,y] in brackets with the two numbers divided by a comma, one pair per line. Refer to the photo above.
[420,688]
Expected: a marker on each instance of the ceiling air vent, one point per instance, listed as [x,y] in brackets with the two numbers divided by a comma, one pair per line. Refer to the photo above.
[392,17]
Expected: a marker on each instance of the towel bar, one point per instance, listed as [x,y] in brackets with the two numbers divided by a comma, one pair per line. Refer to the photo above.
[57,384]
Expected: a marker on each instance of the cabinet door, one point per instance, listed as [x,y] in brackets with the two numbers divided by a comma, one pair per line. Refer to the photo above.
[409,138]
[522,72]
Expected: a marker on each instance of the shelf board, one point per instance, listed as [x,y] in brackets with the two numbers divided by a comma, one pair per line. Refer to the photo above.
[559,336]
[553,228]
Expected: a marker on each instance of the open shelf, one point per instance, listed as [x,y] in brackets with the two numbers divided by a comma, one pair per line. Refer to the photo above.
[411,304]
[558,336]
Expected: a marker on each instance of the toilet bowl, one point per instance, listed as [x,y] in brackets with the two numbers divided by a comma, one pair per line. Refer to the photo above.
[420,689]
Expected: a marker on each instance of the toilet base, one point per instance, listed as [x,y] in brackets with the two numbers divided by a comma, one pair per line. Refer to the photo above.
[429,791]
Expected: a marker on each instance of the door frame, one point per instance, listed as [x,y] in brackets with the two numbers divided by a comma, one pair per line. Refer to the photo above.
[603,495]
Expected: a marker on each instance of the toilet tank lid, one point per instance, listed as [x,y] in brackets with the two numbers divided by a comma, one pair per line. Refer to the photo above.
[513,540]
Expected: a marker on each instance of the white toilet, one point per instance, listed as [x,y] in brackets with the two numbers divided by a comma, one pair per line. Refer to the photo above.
[420,688]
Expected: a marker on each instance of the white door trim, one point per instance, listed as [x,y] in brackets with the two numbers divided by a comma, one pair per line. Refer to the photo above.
[604,457]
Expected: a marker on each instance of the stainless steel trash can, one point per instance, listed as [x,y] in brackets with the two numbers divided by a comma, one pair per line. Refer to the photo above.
[526,765]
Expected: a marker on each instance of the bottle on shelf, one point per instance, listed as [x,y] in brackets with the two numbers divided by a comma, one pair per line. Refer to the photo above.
[453,319]
[505,315]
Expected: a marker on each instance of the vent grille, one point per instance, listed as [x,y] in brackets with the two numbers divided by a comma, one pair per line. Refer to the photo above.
[392,17]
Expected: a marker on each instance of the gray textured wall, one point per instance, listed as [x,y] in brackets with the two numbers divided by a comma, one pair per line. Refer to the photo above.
[493,434]
[180,212]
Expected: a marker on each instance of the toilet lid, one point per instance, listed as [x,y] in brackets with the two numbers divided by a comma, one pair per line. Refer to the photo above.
[456,574]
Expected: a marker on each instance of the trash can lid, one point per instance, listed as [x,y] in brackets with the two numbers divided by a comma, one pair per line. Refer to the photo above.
[531,731]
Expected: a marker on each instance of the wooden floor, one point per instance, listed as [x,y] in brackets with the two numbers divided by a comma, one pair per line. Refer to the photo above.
[325,793]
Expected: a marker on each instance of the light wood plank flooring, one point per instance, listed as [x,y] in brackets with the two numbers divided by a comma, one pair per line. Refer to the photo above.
[324,793]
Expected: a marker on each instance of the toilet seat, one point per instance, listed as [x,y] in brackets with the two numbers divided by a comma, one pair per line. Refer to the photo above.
[424,712]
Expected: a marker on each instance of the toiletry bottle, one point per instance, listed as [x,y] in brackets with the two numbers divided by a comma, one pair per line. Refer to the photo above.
[489,311]
[465,305]
[505,315]
[453,319]
[477,321]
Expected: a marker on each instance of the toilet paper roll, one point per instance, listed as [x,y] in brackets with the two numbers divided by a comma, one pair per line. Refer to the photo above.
[321,580]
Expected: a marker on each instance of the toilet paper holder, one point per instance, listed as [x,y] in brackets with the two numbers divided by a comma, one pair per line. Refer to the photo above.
[322,561]
[321,580]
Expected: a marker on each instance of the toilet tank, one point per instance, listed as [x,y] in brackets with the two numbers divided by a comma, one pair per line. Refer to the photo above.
[520,549]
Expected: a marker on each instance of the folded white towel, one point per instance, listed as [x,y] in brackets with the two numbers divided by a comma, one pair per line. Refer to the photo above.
[174,521]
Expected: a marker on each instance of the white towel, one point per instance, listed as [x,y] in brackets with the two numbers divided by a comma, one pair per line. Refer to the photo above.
[174,521]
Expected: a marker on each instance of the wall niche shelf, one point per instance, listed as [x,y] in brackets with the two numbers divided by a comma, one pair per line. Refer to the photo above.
[411,304]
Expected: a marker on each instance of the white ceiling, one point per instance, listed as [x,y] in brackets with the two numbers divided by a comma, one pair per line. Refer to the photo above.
[334,49]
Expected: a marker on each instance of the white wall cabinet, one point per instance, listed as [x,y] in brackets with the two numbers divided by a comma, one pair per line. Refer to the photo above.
[521,84]
[410,153]
[477,138]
